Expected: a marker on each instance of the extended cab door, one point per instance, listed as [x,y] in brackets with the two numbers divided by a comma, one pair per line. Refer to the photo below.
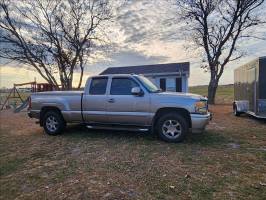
[125,108]
[95,100]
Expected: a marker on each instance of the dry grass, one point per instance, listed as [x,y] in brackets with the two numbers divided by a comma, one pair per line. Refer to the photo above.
[228,161]
[224,95]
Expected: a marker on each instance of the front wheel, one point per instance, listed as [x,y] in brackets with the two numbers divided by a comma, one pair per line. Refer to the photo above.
[53,123]
[172,127]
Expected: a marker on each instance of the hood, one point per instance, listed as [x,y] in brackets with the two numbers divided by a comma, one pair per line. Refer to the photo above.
[182,95]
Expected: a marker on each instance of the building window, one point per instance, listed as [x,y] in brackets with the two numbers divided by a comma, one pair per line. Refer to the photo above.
[170,85]
[163,84]
[178,83]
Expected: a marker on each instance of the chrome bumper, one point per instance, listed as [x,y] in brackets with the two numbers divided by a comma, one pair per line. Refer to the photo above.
[199,122]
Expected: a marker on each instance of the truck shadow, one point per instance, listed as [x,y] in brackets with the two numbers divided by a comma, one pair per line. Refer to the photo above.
[208,138]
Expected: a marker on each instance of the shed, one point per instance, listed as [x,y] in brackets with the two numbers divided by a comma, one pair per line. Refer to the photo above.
[169,77]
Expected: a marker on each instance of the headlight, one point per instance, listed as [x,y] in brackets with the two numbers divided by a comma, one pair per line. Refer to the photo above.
[201,107]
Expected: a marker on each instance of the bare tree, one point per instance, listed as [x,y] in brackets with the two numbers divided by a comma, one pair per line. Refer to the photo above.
[217,26]
[55,37]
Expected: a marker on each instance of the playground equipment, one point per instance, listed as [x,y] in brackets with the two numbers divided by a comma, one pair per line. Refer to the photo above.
[14,93]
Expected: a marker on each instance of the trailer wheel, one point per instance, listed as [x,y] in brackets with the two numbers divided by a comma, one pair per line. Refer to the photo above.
[236,113]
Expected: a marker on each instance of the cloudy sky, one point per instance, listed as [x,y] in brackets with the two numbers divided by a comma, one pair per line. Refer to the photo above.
[145,33]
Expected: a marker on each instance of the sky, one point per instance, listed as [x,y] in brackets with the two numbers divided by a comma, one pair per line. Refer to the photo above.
[145,33]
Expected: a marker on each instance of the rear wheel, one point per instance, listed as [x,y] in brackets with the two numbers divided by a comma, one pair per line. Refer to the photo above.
[53,123]
[172,127]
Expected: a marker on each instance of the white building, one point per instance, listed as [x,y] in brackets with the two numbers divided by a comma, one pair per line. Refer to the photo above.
[169,77]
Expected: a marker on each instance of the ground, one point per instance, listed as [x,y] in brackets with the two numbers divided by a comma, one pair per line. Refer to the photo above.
[228,161]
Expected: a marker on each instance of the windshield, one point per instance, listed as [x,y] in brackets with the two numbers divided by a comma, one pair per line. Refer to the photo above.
[148,84]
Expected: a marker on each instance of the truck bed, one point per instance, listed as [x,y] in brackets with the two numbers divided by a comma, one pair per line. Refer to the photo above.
[69,103]
[60,93]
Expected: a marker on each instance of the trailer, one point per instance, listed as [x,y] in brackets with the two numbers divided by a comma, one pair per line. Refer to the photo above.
[250,89]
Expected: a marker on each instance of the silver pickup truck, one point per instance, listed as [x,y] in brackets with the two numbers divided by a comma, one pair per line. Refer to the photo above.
[122,102]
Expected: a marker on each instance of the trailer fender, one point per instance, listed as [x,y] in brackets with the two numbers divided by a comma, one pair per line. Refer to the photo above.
[242,106]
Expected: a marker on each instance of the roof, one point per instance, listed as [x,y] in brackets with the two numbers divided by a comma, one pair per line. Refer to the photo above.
[149,69]
[252,63]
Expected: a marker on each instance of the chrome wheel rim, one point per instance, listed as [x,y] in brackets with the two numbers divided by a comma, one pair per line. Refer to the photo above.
[171,129]
[51,124]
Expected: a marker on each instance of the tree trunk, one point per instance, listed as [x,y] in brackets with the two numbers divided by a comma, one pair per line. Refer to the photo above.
[69,84]
[212,88]
[80,77]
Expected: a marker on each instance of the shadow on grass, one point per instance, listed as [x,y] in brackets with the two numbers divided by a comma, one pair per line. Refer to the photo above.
[208,138]
[82,132]
[251,117]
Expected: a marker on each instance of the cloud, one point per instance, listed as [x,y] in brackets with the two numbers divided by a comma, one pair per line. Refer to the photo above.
[147,32]
[10,75]
[151,29]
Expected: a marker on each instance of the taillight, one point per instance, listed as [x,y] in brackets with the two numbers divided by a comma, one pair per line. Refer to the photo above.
[29,99]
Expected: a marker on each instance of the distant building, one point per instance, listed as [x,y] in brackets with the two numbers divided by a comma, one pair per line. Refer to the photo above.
[169,77]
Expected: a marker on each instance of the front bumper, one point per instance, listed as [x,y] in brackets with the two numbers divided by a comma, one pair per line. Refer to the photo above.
[199,122]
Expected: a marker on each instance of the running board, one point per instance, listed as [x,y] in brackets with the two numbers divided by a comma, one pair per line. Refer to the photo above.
[118,128]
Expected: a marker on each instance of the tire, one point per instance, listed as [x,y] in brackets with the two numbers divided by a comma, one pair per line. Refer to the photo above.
[236,113]
[172,127]
[53,123]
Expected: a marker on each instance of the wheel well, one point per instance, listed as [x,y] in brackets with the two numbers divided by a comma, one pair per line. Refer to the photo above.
[185,113]
[45,110]
[234,105]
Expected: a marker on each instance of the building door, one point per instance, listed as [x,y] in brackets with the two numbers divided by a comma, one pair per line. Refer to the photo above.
[163,84]
[178,84]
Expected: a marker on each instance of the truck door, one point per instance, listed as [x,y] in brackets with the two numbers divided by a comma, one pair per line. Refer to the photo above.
[125,108]
[94,100]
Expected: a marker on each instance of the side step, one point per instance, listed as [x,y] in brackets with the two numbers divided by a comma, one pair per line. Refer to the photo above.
[118,127]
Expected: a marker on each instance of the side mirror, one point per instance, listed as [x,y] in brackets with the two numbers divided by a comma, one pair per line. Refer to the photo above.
[136,91]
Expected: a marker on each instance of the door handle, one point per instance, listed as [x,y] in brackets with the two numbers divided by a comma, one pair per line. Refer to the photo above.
[111,100]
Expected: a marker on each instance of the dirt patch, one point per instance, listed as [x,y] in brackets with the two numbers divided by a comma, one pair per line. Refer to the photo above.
[226,162]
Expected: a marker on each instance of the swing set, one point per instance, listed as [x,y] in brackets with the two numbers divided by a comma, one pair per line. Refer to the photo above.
[14,92]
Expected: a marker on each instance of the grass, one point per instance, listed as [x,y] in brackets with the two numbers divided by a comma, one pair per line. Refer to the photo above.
[10,166]
[228,161]
[224,95]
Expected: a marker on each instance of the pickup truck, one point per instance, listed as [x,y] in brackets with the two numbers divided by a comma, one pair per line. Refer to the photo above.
[122,102]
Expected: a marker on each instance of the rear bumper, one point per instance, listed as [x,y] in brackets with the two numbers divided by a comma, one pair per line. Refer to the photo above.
[34,114]
[199,122]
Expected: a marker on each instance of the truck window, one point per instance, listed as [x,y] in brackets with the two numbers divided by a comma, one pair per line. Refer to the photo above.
[98,86]
[122,86]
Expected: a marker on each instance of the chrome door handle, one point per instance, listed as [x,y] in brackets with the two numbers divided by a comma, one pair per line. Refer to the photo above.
[111,100]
